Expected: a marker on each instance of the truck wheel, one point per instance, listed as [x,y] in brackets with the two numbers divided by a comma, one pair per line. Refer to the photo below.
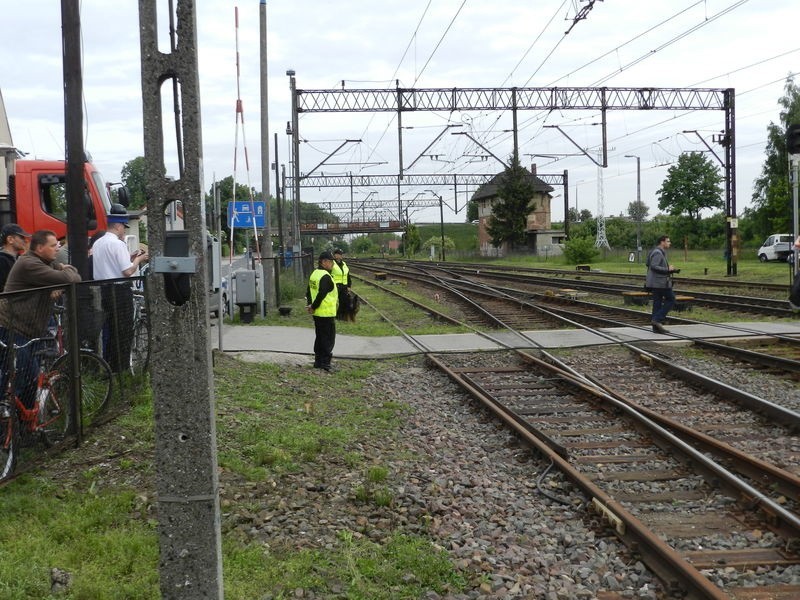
[762,257]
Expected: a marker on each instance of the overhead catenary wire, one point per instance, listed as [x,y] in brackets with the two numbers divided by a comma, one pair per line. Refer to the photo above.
[418,75]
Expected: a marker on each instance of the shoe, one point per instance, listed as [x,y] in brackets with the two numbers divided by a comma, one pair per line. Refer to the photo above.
[659,328]
[327,368]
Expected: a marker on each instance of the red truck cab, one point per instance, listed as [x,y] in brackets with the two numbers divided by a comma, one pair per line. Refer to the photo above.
[37,197]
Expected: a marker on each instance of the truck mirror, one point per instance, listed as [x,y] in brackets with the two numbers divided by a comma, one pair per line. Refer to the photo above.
[123,196]
[91,224]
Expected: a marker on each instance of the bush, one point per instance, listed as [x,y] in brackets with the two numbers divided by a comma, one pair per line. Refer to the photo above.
[291,288]
[580,250]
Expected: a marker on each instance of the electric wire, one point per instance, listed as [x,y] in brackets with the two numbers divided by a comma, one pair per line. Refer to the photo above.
[633,39]
[668,43]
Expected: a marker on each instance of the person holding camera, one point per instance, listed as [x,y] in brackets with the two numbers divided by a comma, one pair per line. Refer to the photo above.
[659,282]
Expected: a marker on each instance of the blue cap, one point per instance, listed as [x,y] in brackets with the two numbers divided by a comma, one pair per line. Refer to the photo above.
[118,219]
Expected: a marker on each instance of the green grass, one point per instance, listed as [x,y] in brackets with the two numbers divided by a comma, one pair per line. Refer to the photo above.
[91,512]
[368,321]
[464,235]
[95,536]
[357,569]
[694,263]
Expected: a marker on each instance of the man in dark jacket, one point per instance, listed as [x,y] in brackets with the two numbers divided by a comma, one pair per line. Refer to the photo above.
[659,282]
[25,315]
[13,240]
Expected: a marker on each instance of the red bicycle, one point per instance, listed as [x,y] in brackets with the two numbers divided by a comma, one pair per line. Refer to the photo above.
[49,418]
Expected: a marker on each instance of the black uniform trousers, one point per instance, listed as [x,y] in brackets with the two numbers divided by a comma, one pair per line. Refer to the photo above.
[118,330]
[325,330]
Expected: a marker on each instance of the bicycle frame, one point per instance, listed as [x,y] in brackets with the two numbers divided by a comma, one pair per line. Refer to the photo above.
[29,418]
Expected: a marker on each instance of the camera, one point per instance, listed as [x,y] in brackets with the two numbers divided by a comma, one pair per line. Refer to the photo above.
[676,271]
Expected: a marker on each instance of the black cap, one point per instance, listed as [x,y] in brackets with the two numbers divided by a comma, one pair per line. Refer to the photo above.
[337,251]
[326,255]
[118,214]
[12,229]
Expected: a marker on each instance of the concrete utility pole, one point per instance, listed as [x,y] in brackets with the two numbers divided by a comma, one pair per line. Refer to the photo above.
[638,206]
[77,233]
[298,246]
[267,264]
[190,563]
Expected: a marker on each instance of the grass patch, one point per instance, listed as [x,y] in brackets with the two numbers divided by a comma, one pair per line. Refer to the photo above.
[90,535]
[404,568]
[83,515]
[368,321]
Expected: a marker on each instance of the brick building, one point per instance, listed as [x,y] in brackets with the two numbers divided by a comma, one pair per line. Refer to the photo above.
[539,235]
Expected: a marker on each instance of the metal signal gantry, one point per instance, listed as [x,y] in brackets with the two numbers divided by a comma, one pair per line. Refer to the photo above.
[603,99]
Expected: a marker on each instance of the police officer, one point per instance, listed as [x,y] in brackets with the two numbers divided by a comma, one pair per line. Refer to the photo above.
[322,302]
[341,277]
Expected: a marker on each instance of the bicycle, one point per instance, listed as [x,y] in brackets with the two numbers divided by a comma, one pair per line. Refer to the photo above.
[96,376]
[140,346]
[48,419]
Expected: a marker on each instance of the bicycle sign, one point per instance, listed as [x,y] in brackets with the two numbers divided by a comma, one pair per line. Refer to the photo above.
[246,214]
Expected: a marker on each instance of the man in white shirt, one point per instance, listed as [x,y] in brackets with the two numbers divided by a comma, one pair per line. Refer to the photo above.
[111,259]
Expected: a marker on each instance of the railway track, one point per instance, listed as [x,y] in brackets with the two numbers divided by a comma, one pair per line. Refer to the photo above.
[691,519]
[612,288]
[487,305]
[706,491]
[727,286]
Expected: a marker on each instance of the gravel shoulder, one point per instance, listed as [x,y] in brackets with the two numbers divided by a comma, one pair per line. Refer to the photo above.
[454,475]
[461,479]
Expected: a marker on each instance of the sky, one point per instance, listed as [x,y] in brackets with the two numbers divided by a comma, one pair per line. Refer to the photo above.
[748,45]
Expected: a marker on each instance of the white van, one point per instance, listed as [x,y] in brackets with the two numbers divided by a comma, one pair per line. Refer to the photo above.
[778,246]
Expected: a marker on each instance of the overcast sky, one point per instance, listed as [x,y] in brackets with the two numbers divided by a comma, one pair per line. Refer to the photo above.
[748,45]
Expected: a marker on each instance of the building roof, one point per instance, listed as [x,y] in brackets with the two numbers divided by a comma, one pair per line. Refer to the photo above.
[489,189]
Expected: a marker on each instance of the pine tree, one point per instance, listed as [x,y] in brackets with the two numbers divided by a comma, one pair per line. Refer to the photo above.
[510,211]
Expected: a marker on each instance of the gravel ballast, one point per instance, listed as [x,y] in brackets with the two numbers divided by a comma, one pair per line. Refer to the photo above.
[461,479]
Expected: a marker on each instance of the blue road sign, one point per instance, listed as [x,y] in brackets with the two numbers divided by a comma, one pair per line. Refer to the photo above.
[241,214]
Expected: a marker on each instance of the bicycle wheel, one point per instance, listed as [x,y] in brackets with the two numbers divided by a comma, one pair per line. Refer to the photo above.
[9,444]
[52,399]
[140,347]
[96,382]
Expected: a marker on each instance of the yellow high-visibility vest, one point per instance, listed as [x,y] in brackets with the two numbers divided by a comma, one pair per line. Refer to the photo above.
[330,302]
[340,274]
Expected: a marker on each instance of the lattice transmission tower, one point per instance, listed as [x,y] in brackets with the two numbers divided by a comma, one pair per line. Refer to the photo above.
[602,240]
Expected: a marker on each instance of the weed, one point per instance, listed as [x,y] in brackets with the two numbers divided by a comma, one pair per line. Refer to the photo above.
[383,497]
[377,474]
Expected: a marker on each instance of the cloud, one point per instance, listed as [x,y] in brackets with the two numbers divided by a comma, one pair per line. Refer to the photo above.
[456,44]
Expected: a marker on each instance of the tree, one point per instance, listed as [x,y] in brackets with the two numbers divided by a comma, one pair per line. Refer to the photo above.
[411,240]
[363,245]
[132,176]
[225,190]
[472,211]
[691,186]
[510,212]
[637,211]
[771,195]
[436,242]
[580,250]
[579,217]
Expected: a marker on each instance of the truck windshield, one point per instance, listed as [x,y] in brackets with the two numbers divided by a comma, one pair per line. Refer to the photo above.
[102,189]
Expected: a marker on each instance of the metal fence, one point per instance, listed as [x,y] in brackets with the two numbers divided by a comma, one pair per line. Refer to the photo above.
[73,356]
